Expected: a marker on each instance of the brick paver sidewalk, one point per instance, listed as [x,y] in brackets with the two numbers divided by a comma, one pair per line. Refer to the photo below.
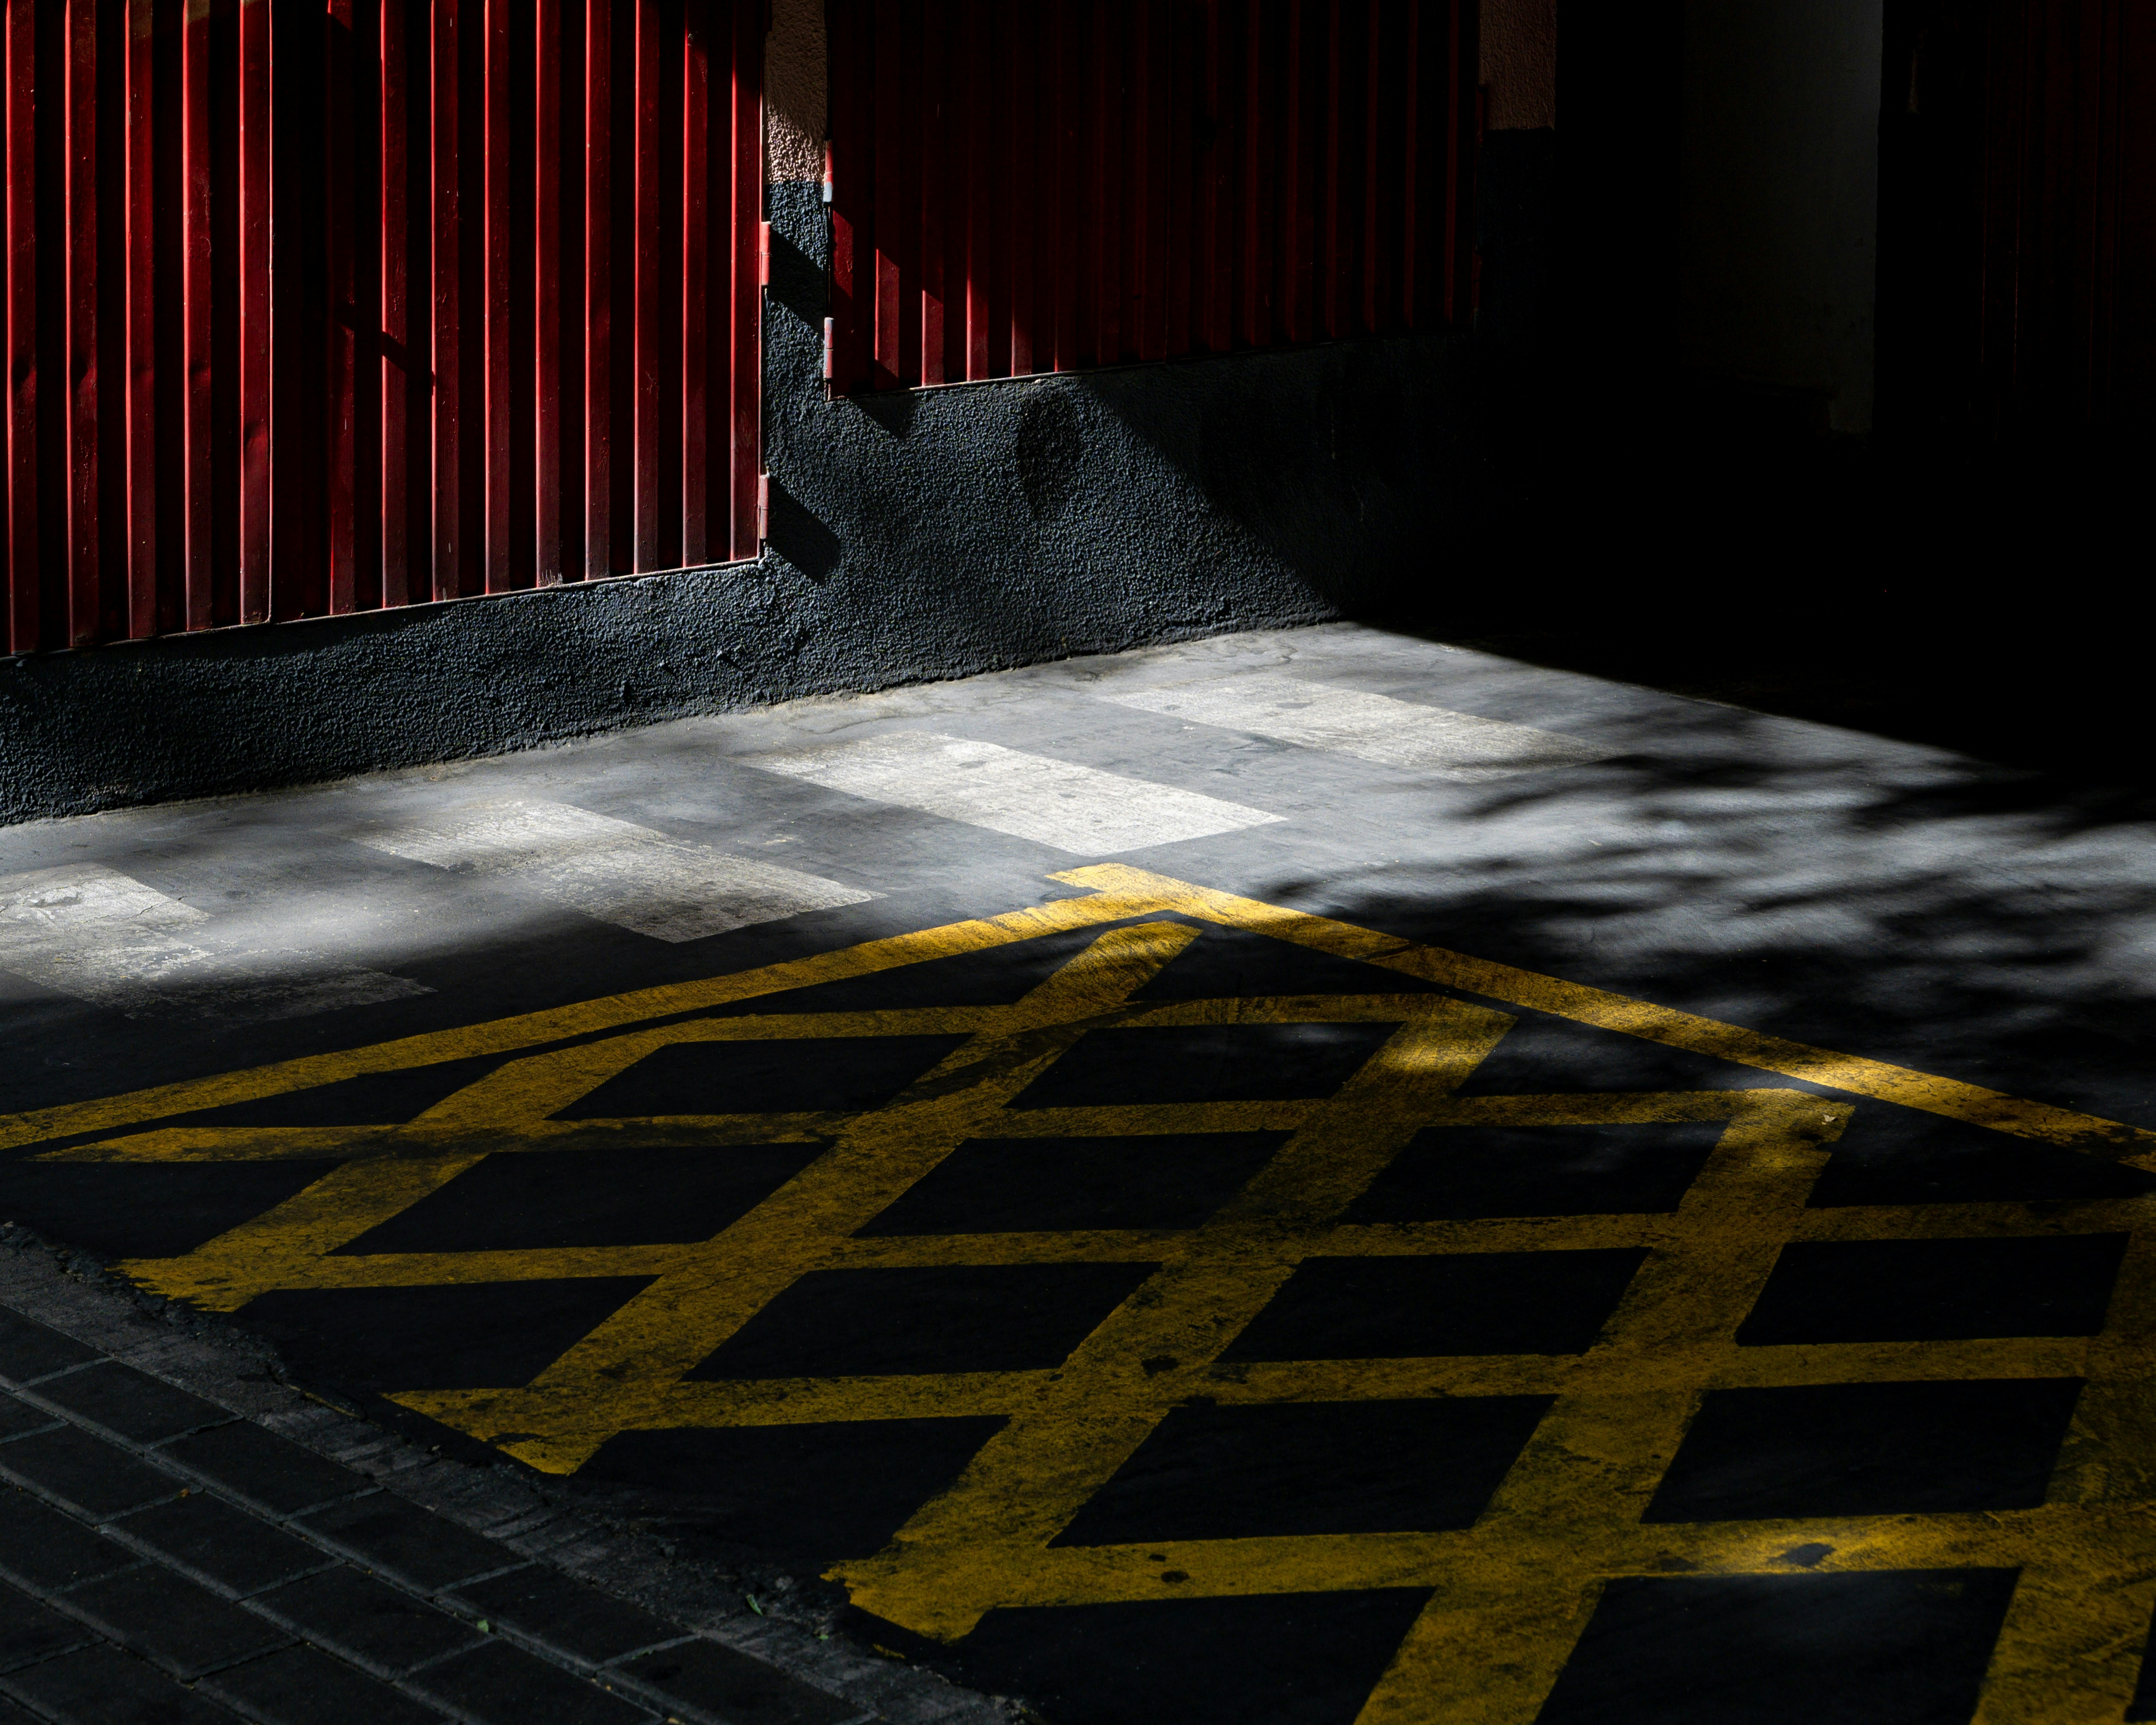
[165,1560]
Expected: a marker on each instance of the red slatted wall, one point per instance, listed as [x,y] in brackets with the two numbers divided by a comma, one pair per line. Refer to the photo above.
[2069,333]
[1080,183]
[346,304]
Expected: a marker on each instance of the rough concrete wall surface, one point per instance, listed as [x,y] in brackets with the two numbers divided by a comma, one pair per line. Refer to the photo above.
[794,74]
[1519,64]
[913,538]
[1781,195]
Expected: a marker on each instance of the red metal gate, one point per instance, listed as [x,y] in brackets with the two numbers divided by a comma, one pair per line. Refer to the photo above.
[2069,216]
[1078,183]
[349,304]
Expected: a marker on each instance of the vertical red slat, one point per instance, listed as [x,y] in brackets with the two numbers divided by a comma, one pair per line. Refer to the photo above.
[846,161]
[503,268]
[980,109]
[1103,337]
[934,179]
[550,550]
[445,255]
[197,437]
[1454,49]
[1327,309]
[340,217]
[891,131]
[654,105]
[1372,93]
[1410,152]
[599,74]
[1182,169]
[1249,257]
[694,390]
[2049,299]
[138,218]
[745,67]
[341,214]
[1212,287]
[1027,70]
[1150,185]
[18,481]
[257,449]
[393,90]
[853,42]
[2095,64]
[2008,139]
[80,172]
[1293,254]
[2106,52]
[1006,131]
[1135,62]
[905,86]
[1065,210]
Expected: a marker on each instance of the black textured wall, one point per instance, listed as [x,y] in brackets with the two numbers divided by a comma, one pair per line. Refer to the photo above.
[912,537]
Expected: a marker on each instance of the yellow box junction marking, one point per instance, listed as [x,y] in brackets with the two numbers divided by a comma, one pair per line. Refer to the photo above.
[1509,1594]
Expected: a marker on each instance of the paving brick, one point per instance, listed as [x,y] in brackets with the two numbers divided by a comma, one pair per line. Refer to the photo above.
[17,1417]
[133,1404]
[421,1549]
[215,1542]
[547,1606]
[736,1688]
[29,1631]
[165,1617]
[298,1686]
[30,1350]
[272,1473]
[43,1549]
[501,1685]
[102,1686]
[82,1471]
[366,1620]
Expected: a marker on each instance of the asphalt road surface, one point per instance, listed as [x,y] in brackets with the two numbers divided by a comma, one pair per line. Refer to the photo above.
[1305,1178]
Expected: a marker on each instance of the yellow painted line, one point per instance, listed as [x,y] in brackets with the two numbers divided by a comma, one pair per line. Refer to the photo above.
[498,1415]
[410,1270]
[666,1330]
[1523,1558]
[1619,1371]
[773,1401]
[556,1024]
[1973,1221]
[1509,1596]
[304,1144]
[1606,1011]
[282,1247]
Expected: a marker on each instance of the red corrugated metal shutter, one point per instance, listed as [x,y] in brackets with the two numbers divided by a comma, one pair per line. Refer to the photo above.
[353,304]
[1083,183]
[2069,333]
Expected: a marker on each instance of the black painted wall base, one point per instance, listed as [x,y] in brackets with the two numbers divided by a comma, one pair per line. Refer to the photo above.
[929,535]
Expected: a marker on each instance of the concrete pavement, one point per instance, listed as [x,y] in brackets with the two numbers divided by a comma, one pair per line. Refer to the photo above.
[1314,1176]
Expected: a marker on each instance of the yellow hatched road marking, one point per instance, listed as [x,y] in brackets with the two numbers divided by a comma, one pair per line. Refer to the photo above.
[1509,1596]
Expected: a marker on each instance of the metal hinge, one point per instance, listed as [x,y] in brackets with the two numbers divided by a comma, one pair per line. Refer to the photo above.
[763,254]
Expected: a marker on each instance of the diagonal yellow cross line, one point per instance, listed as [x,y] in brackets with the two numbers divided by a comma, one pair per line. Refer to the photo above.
[1509,1596]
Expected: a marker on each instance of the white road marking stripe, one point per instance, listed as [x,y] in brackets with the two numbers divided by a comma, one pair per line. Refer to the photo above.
[614,871]
[1055,802]
[1371,727]
[91,931]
